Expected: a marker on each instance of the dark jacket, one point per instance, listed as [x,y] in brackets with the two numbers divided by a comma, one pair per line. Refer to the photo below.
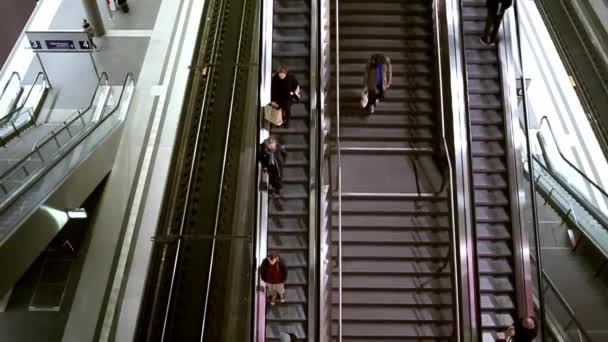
[266,265]
[88,28]
[281,89]
[272,161]
[370,76]
[522,334]
[493,5]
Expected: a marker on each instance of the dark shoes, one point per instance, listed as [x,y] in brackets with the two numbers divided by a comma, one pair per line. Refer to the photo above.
[484,41]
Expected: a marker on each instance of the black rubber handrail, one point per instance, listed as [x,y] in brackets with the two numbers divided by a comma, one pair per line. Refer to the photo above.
[564,158]
[9,116]
[13,196]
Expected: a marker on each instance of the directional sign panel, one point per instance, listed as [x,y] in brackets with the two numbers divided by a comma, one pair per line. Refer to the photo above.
[59,41]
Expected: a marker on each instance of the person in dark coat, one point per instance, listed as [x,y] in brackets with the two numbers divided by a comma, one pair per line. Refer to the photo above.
[284,90]
[274,273]
[524,330]
[377,79]
[90,31]
[496,12]
[123,5]
[272,155]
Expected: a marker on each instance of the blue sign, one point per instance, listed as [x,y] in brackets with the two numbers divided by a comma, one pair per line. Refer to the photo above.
[60,44]
[60,41]
[35,44]
[85,45]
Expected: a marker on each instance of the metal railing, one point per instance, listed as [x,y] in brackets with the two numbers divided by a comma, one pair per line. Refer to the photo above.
[339,166]
[452,255]
[581,332]
[37,150]
[9,117]
[261,248]
[76,116]
[50,161]
[13,75]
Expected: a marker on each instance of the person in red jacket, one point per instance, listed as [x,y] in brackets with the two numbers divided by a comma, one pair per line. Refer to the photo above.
[274,274]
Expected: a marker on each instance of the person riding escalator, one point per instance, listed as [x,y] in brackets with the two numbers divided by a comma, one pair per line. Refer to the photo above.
[272,154]
[284,91]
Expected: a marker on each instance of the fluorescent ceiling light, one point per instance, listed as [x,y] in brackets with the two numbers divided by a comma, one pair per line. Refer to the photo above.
[78,213]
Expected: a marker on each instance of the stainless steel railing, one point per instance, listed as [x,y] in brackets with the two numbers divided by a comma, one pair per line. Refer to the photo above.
[31,175]
[453,255]
[338,151]
[9,116]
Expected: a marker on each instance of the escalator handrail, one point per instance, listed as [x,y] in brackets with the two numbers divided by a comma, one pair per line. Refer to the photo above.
[9,116]
[52,134]
[339,166]
[13,74]
[528,283]
[453,258]
[261,242]
[600,217]
[128,82]
[537,161]
[76,115]
[545,119]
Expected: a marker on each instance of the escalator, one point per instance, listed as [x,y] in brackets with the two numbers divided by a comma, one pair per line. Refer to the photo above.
[393,218]
[288,224]
[493,216]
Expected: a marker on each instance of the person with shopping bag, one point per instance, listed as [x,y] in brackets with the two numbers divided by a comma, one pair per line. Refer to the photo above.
[284,91]
[273,114]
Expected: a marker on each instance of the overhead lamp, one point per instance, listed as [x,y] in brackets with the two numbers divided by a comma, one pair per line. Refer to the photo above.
[77,213]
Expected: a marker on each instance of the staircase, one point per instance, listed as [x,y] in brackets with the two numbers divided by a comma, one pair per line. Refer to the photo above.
[289,216]
[395,235]
[492,206]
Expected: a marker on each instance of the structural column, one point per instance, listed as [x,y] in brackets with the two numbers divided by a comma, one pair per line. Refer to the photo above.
[92,14]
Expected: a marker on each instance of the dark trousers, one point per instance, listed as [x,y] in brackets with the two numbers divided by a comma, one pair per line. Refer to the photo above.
[274,178]
[493,21]
[373,95]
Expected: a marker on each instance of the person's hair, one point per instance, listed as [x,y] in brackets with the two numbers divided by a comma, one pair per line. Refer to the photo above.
[283,68]
[272,255]
[270,140]
[533,319]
